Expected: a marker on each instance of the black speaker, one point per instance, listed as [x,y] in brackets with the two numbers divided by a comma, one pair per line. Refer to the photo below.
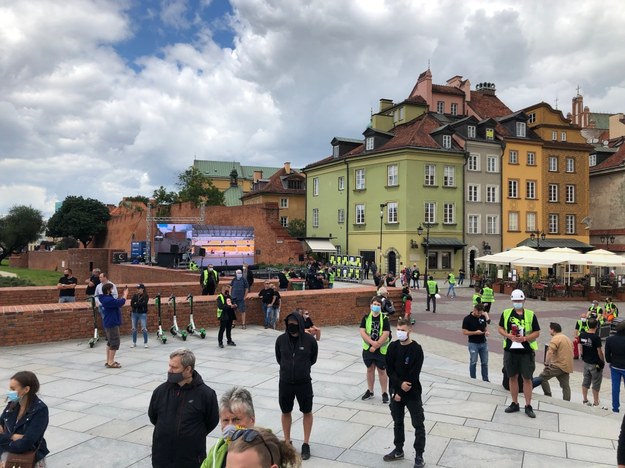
[202,252]
[173,248]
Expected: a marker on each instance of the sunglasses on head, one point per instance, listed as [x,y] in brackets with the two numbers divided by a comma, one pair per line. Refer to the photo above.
[249,436]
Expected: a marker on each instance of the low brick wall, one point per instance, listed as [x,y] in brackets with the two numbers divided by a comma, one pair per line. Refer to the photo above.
[57,322]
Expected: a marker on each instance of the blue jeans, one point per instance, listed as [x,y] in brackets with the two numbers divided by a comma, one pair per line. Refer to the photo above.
[481,350]
[136,317]
[451,291]
[616,375]
[267,314]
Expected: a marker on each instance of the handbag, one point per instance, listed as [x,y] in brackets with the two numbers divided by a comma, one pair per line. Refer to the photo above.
[21,460]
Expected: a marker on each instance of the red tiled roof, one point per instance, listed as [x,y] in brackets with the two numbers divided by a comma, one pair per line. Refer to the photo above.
[275,185]
[613,161]
[416,100]
[488,105]
[447,90]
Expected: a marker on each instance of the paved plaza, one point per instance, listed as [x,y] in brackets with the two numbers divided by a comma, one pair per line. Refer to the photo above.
[98,416]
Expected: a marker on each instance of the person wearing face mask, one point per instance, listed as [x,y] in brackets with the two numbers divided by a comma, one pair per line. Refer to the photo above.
[239,290]
[236,411]
[475,327]
[184,411]
[210,280]
[296,353]
[375,331]
[24,420]
[404,361]
[520,329]
[67,287]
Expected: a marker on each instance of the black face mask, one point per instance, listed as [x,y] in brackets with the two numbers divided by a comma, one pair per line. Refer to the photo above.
[293,328]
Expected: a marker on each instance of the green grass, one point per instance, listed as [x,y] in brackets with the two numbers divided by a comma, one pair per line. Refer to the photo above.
[36,277]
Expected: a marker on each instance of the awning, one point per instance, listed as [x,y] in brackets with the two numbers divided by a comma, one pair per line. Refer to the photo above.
[444,243]
[320,245]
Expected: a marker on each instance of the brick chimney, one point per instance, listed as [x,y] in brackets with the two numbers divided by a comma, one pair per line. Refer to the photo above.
[287,167]
[258,174]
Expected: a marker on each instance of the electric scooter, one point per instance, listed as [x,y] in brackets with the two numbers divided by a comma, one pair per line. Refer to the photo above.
[160,334]
[96,336]
[191,327]
[175,330]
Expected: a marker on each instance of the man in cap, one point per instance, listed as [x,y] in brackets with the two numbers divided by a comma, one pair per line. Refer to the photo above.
[520,330]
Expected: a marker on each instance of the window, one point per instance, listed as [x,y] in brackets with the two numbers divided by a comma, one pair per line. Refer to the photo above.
[449,176]
[490,133]
[513,188]
[492,193]
[315,217]
[553,192]
[473,193]
[570,193]
[473,164]
[369,143]
[446,260]
[492,163]
[592,160]
[392,179]
[341,183]
[520,129]
[553,223]
[531,158]
[295,184]
[341,215]
[432,259]
[430,213]
[402,113]
[530,189]
[284,221]
[554,135]
[315,186]
[471,131]
[531,118]
[360,214]
[492,224]
[335,151]
[440,107]
[391,213]
[454,108]
[553,164]
[447,141]
[563,136]
[449,213]
[473,224]
[284,203]
[513,221]
[570,224]
[360,179]
[430,174]
[513,157]
[570,165]
[530,220]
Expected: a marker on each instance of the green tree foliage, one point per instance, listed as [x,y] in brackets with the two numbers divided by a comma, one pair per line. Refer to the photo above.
[197,188]
[162,197]
[297,228]
[21,226]
[80,218]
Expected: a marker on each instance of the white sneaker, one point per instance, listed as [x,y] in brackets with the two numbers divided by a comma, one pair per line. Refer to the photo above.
[145,345]
[134,345]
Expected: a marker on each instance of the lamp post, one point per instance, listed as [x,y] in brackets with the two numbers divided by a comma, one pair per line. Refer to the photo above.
[382,206]
[538,236]
[608,240]
[427,246]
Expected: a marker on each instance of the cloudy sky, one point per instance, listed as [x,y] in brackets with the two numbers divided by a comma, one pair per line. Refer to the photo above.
[107,98]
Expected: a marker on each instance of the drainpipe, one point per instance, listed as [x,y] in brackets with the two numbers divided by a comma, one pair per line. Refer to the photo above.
[346,206]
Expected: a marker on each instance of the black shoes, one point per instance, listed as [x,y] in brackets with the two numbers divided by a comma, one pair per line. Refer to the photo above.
[529,411]
[305,451]
[394,455]
[221,345]
[418,461]
[231,343]
[513,408]
[367,396]
[385,398]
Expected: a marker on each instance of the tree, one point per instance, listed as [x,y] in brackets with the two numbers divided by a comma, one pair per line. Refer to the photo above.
[297,228]
[21,226]
[80,218]
[197,188]
[162,197]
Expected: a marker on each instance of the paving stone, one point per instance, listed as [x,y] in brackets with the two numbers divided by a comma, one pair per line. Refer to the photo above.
[454,431]
[460,453]
[519,442]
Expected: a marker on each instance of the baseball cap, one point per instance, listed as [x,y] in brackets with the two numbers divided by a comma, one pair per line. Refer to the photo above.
[517,295]
[140,286]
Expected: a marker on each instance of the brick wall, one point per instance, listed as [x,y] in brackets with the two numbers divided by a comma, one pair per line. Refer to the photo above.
[57,322]
[19,261]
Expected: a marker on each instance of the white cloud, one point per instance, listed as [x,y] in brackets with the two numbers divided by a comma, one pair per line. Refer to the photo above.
[76,118]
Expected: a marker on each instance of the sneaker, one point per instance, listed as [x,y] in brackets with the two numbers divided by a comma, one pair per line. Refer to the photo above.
[385,398]
[586,403]
[513,408]
[368,395]
[145,345]
[529,411]
[599,406]
[418,461]
[305,451]
[394,455]
[221,345]
[231,343]
[134,345]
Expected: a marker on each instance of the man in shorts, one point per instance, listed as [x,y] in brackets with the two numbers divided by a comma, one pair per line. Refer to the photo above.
[594,362]
[520,330]
[296,353]
[111,320]
[375,331]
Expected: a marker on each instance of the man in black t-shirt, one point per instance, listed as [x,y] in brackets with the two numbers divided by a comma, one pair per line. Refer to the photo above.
[67,287]
[594,361]
[92,282]
[266,295]
[475,326]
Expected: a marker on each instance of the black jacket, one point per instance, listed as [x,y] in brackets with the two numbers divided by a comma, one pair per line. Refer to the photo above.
[32,426]
[182,418]
[403,364]
[615,351]
[139,303]
[296,357]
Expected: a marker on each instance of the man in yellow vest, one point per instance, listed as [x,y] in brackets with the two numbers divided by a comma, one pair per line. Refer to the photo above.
[432,289]
[451,279]
[210,280]
[375,331]
[477,296]
[488,297]
[520,330]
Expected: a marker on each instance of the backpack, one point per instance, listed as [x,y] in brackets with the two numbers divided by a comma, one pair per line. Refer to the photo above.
[388,307]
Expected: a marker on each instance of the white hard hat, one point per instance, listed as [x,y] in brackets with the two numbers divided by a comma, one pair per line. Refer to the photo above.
[517,295]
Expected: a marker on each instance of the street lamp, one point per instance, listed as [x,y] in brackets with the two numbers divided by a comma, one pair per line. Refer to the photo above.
[382,206]
[538,236]
[608,240]
[427,245]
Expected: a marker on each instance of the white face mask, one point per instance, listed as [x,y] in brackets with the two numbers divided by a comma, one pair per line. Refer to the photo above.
[402,335]
[517,305]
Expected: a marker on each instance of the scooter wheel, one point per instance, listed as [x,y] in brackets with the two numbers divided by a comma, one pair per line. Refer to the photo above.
[91,343]
[164,340]
[184,337]
[189,329]
[202,335]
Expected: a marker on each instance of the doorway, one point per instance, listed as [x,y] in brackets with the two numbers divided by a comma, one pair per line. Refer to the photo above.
[392,262]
